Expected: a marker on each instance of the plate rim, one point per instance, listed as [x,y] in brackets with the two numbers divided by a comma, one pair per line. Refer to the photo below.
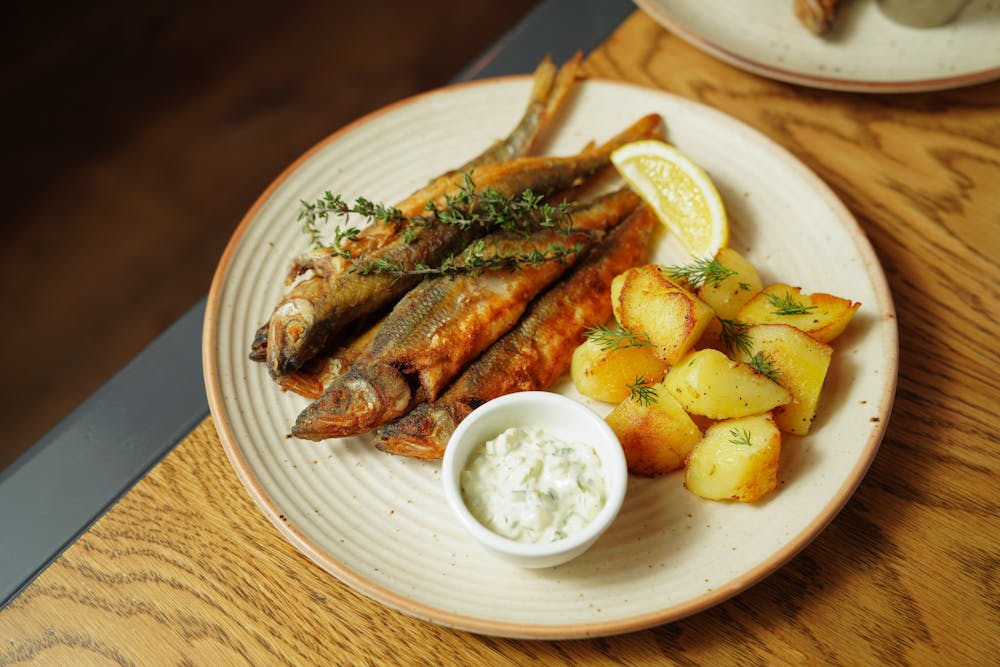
[428,612]
[843,84]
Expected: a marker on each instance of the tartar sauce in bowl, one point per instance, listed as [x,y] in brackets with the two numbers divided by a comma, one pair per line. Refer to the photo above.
[530,486]
[535,477]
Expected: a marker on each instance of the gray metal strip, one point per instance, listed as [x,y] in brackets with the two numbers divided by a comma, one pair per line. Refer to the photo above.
[54,491]
[557,27]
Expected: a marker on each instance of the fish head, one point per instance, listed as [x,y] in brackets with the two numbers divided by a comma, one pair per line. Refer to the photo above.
[356,402]
[288,335]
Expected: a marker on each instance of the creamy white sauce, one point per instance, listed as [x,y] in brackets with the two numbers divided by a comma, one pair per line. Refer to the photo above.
[529,486]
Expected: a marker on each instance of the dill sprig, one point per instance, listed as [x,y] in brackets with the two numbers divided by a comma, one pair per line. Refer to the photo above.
[740,437]
[787,305]
[764,365]
[734,336]
[703,270]
[642,392]
[615,338]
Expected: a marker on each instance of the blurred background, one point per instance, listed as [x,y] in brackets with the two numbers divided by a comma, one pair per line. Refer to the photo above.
[138,134]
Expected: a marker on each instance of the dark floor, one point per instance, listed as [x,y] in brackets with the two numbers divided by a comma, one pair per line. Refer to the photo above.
[136,135]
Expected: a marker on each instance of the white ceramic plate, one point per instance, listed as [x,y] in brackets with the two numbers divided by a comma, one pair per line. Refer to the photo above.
[380,523]
[865,52]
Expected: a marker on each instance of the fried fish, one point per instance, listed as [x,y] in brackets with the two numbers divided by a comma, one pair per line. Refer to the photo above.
[443,324]
[532,355]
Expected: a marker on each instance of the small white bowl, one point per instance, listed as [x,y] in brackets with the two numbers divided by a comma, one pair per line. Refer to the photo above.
[563,418]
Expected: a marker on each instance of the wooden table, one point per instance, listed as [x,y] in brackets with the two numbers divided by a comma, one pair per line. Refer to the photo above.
[908,573]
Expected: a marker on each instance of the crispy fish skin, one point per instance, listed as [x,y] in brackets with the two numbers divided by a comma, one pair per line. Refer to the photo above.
[313,310]
[532,355]
[441,325]
[549,90]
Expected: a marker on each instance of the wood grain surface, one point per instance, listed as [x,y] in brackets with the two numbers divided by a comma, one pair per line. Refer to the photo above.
[185,570]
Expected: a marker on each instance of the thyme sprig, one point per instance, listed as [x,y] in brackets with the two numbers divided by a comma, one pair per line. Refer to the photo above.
[492,210]
[616,338]
[332,205]
[787,305]
[487,209]
[764,364]
[473,260]
[740,437]
[642,392]
[704,270]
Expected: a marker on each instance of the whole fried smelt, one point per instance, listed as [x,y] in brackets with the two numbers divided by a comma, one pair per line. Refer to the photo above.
[532,355]
[441,325]
[316,308]
[549,90]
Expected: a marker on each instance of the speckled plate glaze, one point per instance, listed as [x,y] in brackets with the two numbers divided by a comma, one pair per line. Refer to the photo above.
[380,523]
[865,52]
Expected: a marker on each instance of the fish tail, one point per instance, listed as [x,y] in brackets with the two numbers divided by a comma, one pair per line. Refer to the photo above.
[421,434]
[308,385]
[519,141]
[553,98]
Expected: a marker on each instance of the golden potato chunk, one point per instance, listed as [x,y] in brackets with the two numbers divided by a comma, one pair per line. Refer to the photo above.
[728,295]
[605,373]
[656,435]
[709,383]
[801,363]
[822,316]
[736,459]
[645,301]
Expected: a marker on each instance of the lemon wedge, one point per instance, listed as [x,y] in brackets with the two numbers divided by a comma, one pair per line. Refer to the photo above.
[679,192]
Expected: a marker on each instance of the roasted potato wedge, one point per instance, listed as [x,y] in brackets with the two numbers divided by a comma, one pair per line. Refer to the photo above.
[656,435]
[709,383]
[822,316]
[730,294]
[645,301]
[736,459]
[604,374]
[801,363]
